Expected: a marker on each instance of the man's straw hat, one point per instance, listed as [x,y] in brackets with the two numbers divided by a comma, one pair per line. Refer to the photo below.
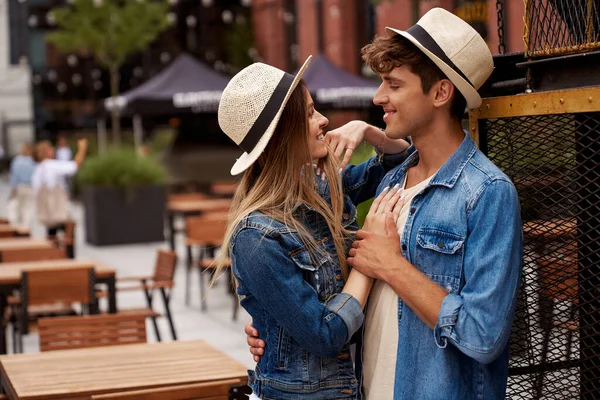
[251,106]
[455,47]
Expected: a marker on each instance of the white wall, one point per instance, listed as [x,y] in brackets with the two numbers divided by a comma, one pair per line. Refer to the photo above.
[15,90]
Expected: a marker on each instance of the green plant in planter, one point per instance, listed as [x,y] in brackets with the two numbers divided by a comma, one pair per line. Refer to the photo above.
[122,168]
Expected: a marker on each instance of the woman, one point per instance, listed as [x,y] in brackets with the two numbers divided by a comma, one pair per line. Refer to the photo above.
[50,185]
[289,232]
[20,206]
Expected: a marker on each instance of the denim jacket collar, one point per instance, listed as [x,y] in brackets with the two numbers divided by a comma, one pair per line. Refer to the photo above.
[448,173]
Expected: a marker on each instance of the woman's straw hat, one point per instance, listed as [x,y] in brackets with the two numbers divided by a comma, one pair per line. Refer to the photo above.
[251,106]
[455,47]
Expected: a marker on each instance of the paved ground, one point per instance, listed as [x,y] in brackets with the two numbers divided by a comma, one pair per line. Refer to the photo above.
[215,325]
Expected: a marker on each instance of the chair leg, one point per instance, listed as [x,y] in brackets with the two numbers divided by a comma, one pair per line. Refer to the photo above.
[149,301]
[168,311]
[14,337]
[572,318]
[202,299]
[232,291]
[546,315]
[188,271]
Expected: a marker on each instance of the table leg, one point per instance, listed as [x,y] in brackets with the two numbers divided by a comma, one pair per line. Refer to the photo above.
[3,304]
[112,295]
[171,228]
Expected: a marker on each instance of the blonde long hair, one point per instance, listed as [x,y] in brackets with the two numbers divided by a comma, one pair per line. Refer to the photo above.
[283,178]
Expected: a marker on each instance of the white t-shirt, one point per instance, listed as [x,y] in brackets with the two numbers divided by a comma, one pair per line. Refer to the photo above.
[381,324]
[52,172]
[64,154]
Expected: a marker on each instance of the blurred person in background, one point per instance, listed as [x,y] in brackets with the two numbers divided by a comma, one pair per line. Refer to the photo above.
[50,187]
[63,151]
[20,204]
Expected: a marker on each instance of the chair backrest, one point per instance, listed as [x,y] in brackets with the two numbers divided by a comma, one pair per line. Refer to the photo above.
[22,255]
[208,228]
[206,391]
[69,285]
[7,234]
[78,332]
[187,196]
[69,231]
[164,269]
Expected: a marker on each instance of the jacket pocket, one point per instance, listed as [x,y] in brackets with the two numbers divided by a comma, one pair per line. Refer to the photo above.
[283,343]
[439,252]
[316,271]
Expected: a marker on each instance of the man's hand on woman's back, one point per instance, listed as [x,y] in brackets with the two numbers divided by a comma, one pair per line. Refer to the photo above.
[257,346]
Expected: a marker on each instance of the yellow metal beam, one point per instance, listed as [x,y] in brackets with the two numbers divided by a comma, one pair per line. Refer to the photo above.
[544,103]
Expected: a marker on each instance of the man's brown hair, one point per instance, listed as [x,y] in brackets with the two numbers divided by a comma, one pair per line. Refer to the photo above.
[385,54]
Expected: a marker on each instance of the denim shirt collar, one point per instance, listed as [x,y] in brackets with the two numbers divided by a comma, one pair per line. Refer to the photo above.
[448,173]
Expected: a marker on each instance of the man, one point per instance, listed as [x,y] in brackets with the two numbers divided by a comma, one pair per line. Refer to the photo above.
[448,270]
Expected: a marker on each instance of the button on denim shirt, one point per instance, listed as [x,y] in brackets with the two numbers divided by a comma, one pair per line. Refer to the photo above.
[464,232]
[295,300]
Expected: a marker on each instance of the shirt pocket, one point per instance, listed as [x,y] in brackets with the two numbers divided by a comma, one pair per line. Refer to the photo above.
[317,271]
[439,254]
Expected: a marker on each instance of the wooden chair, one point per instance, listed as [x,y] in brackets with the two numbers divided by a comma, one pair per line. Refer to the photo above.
[7,234]
[559,282]
[206,232]
[67,240]
[161,280]
[205,391]
[224,188]
[91,331]
[33,255]
[49,286]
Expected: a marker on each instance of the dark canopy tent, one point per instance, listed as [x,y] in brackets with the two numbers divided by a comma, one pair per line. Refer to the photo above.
[332,87]
[185,86]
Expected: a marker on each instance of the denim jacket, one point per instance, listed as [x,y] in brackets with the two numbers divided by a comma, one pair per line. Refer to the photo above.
[464,232]
[295,301]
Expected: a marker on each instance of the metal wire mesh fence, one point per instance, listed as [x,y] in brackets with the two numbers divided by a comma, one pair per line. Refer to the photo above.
[554,27]
[553,161]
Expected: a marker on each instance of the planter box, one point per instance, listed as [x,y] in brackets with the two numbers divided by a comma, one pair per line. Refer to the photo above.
[119,216]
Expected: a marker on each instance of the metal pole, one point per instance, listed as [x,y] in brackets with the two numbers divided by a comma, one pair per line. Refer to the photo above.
[101,126]
[138,131]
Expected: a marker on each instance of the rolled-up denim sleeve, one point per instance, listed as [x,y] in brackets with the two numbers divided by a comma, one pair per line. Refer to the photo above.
[360,181]
[268,272]
[478,319]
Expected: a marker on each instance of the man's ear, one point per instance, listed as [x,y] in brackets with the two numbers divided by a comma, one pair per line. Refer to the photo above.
[443,93]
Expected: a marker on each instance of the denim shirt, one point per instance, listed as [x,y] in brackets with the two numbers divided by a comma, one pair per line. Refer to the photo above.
[295,300]
[21,170]
[464,232]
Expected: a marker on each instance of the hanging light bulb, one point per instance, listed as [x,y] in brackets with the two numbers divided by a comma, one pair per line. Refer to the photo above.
[171,18]
[76,79]
[138,71]
[52,75]
[207,3]
[165,57]
[32,21]
[97,85]
[37,79]
[50,18]
[61,87]
[246,3]
[191,21]
[227,16]
[72,60]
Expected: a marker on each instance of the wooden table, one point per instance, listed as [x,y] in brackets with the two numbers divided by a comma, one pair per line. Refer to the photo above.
[81,373]
[15,230]
[191,207]
[10,279]
[24,243]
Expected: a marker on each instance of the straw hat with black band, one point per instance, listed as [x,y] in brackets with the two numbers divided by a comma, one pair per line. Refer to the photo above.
[455,47]
[251,106]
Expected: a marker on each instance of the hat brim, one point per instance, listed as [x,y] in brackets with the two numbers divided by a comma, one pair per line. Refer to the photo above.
[247,159]
[464,87]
